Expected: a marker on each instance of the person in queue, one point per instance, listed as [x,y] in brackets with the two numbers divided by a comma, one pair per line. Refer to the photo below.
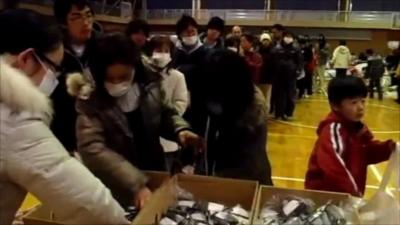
[213,37]
[138,31]
[238,130]
[305,84]
[76,18]
[119,124]
[236,32]
[189,58]
[277,34]
[287,66]
[253,58]
[266,70]
[32,159]
[323,50]
[233,44]
[173,84]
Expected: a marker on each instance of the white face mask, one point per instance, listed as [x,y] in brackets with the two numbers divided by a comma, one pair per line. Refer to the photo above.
[120,89]
[288,40]
[49,81]
[161,60]
[190,41]
[234,49]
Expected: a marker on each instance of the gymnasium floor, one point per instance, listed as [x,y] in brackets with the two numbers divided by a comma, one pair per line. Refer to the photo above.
[290,143]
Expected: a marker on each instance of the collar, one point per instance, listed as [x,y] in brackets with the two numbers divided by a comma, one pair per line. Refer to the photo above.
[180,46]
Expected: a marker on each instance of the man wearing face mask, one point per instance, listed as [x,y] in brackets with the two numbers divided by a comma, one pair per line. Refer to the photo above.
[76,18]
[287,63]
[189,58]
[32,159]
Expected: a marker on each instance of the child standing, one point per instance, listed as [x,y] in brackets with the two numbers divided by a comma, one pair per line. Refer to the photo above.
[345,146]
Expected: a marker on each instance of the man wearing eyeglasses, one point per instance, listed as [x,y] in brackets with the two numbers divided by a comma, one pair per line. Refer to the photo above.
[76,18]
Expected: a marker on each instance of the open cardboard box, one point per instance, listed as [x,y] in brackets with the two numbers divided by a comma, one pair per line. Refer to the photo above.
[45,216]
[225,191]
[265,193]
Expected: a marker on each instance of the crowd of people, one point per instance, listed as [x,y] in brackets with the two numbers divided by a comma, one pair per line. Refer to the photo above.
[85,113]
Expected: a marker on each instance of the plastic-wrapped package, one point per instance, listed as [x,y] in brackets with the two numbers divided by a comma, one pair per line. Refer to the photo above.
[297,211]
[190,212]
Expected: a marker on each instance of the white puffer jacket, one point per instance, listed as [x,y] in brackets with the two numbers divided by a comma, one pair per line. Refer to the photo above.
[33,160]
[341,57]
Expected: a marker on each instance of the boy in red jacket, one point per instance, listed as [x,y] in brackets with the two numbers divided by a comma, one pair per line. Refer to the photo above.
[345,146]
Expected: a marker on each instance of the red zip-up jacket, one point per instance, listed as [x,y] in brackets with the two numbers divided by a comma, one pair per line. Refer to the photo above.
[342,154]
[255,62]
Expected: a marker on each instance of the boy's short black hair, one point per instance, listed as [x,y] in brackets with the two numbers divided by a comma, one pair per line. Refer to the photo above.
[340,89]
[63,7]
[278,27]
[217,24]
[24,29]
[184,22]
[136,26]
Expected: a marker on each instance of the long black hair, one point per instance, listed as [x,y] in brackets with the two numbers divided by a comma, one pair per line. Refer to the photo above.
[111,49]
[229,83]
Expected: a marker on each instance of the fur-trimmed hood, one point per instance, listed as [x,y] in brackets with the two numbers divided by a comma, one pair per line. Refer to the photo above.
[79,86]
[19,94]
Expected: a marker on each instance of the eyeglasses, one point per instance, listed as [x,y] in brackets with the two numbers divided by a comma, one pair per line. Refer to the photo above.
[55,66]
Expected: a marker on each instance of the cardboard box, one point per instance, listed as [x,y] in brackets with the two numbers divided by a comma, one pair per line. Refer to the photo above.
[265,193]
[45,216]
[225,191]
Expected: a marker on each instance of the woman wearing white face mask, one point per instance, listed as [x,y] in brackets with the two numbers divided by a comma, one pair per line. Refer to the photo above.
[119,125]
[173,84]
[32,159]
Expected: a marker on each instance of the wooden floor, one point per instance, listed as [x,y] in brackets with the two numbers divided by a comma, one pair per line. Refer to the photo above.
[290,143]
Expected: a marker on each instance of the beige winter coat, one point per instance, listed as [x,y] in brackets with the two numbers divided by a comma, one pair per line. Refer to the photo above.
[33,160]
[341,57]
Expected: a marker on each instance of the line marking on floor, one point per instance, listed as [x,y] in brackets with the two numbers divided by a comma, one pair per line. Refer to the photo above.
[314,127]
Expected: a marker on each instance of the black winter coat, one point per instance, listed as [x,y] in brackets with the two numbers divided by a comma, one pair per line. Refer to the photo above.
[287,62]
[63,124]
[192,65]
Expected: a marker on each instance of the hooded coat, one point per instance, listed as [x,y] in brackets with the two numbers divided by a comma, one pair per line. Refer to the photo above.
[342,154]
[107,141]
[341,57]
[33,160]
